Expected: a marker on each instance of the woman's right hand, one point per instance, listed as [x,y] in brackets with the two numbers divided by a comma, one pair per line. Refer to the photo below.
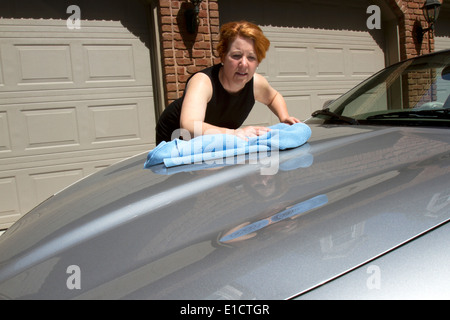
[250,132]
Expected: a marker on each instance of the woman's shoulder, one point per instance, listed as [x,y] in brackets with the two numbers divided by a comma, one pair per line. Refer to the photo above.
[264,92]
[260,82]
[199,77]
[199,85]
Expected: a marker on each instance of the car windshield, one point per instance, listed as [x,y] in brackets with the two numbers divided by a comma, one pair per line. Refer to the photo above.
[413,92]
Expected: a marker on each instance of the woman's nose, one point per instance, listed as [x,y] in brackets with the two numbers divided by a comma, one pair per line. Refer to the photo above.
[244,61]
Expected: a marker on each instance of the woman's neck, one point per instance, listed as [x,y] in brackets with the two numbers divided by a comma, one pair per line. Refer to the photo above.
[229,86]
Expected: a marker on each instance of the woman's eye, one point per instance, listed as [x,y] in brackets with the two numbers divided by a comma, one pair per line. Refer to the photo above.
[238,56]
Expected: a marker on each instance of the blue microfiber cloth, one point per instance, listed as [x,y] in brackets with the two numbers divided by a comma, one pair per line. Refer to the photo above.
[216,146]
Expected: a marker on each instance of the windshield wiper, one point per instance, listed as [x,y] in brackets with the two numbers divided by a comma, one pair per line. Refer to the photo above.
[414,114]
[327,112]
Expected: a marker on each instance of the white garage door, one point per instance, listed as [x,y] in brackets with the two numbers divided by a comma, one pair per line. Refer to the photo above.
[441,43]
[319,49]
[442,28]
[72,101]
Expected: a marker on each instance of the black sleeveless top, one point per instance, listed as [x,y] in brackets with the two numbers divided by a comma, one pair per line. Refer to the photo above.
[223,110]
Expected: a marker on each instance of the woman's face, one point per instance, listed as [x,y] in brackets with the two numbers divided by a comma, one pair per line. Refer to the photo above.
[240,63]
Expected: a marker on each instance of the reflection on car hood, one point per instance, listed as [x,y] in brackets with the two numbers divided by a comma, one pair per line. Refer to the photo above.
[226,231]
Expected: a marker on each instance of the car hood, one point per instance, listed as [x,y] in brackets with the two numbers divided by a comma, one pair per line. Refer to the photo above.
[226,231]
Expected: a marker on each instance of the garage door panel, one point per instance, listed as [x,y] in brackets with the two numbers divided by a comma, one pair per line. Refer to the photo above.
[40,128]
[108,125]
[82,94]
[310,54]
[2,83]
[43,63]
[36,64]
[45,183]
[442,43]
[330,62]
[50,127]
[363,63]
[40,64]
[9,198]
[322,98]
[285,68]
[5,139]
[298,104]
[120,122]
[101,63]
[259,116]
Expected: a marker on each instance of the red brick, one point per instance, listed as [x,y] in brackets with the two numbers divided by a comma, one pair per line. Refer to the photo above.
[179,45]
[169,61]
[169,70]
[166,20]
[181,71]
[167,37]
[198,54]
[171,79]
[202,45]
[164,3]
[184,62]
[213,6]
[203,29]
[165,12]
[166,28]
[193,69]
[214,14]
[171,87]
[183,79]
[202,62]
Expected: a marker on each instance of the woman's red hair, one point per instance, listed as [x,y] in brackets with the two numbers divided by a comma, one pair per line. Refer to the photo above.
[231,30]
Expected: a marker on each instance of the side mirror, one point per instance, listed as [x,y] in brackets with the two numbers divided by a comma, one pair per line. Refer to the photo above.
[446,73]
[326,104]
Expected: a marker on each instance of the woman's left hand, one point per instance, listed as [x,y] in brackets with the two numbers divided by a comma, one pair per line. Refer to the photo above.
[290,120]
[250,132]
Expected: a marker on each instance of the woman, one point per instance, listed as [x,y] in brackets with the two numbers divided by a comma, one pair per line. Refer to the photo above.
[219,99]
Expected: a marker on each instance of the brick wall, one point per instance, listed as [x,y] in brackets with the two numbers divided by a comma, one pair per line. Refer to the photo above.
[410,16]
[416,88]
[185,53]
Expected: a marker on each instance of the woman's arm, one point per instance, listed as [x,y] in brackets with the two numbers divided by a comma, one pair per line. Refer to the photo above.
[267,95]
[193,111]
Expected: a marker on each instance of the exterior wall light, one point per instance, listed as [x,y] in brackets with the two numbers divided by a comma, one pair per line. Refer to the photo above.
[431,12]
[191,16]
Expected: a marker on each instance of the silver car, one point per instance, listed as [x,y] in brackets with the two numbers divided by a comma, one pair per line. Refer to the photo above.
[360,211]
